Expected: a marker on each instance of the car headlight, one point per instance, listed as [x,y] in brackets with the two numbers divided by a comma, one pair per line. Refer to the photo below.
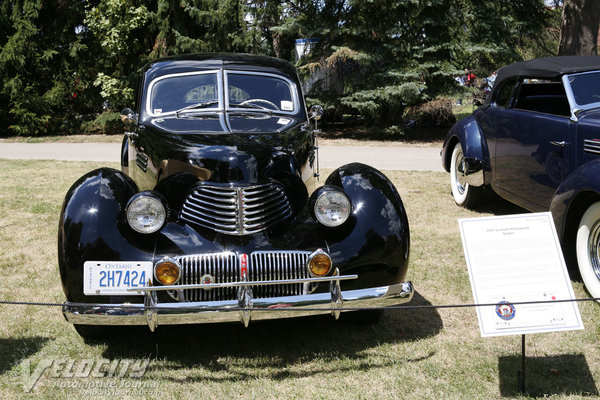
[319,263]
[167,271]
[332,207]
[146,213]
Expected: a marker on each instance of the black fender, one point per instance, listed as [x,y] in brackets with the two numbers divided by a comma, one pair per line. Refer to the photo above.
[93,226]
[375,240]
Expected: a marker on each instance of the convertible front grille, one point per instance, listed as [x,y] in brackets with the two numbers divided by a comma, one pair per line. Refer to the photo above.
[236,210]
[225,268]
[591,146]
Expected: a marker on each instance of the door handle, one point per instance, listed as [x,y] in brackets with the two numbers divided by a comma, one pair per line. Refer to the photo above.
[559,144]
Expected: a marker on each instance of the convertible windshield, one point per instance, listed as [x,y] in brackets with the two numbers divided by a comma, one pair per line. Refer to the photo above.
[193,93]
[585,88]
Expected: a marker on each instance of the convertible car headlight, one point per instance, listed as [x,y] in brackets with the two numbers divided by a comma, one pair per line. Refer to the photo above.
[332,207]
[146,213]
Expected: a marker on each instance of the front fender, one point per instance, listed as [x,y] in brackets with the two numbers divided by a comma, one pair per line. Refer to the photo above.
[467,133]
[92,226]
[579,189]
[377,236]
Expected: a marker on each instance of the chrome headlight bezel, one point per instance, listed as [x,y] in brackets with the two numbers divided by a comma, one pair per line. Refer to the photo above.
[331,206]
[146,212]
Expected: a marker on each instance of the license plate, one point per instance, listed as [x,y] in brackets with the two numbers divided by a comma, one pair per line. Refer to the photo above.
[114,278]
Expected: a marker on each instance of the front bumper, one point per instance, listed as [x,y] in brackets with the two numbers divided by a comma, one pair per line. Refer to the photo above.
[244,309]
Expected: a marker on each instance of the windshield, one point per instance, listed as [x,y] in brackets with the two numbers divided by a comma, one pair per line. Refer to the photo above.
[259,91]
[585,88]
[175,92]
[193,93]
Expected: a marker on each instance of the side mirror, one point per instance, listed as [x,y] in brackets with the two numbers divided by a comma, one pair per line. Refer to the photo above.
[129,117]
[315,112]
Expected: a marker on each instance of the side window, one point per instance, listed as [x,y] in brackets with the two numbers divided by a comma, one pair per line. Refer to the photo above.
[543,96]
[505,92]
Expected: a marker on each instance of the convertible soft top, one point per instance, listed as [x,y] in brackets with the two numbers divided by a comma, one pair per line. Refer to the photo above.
[546,68]
[550,67]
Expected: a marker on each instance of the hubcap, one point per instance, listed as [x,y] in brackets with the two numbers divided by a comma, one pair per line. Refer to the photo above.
[461,181]
[594,248]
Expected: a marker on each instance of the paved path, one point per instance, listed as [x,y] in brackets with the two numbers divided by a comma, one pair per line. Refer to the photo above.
[330,156]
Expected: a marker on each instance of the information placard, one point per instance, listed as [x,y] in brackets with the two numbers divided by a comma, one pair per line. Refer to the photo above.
[518,258]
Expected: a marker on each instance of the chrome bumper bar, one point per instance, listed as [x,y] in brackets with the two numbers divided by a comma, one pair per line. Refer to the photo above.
[244,309]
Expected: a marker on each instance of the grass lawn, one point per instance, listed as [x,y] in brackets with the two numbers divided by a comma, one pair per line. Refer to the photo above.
[410,354]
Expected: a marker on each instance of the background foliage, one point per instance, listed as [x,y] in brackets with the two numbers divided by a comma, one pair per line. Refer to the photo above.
[64,62]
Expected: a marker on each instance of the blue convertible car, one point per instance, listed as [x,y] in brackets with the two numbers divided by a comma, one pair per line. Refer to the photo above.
[536,143]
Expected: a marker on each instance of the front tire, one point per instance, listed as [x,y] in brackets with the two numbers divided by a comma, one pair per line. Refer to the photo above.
[588,249]
[464,194]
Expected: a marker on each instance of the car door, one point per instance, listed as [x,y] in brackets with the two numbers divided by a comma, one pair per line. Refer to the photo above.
[529,149]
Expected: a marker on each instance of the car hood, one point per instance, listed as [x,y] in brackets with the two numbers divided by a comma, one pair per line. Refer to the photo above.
[225,149]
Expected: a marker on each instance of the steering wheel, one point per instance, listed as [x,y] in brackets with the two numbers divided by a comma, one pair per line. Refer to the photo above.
[260,101]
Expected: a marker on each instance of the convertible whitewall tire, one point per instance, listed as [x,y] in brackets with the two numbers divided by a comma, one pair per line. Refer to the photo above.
[588,249]
[464,195]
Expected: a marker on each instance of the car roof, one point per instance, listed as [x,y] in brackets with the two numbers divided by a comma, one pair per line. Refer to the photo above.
[204,61]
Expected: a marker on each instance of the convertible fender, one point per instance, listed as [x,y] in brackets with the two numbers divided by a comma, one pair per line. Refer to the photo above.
[576,192]
[475,151]
[376,238]
[93,226]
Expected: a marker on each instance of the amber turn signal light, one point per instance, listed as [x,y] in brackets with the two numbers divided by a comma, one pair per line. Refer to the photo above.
[167,271]
[319,263]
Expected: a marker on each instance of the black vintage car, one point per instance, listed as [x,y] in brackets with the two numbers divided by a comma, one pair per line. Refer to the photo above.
[214,215]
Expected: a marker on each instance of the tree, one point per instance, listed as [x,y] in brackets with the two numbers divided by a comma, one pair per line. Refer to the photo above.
[579,28]
[375,58]
[44,63]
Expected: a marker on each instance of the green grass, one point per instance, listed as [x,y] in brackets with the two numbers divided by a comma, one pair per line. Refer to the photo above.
[417,353]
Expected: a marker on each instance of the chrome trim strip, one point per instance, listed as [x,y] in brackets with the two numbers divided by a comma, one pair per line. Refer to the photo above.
[262,309]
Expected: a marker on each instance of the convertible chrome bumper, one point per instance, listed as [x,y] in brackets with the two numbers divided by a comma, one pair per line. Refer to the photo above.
[244,309]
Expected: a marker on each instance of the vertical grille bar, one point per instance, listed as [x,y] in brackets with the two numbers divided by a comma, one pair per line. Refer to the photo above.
[262,266]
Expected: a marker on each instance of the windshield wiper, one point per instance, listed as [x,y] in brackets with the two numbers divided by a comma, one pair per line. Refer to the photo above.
[251,107]
[197,106]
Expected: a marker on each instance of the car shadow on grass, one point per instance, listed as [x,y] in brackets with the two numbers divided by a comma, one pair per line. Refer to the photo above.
[563,375]
[276,344]
[12,351]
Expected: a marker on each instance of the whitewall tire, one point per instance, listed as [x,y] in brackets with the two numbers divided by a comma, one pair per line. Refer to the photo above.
[588,249]
[464,194]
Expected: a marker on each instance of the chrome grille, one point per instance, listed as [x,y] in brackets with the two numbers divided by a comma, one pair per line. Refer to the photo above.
[591,146]
[236,210]
[225,267]
[142,161]
[266,265]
